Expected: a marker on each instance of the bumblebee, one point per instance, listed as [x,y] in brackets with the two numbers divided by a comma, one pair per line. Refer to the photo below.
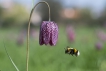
[72,51]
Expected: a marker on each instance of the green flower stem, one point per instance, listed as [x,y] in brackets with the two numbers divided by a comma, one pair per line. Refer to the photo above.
[27,53]
[32,3]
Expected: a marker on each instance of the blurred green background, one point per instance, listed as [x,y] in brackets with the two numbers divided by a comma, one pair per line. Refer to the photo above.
[82,25]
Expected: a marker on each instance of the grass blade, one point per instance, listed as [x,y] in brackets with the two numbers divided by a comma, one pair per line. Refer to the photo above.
[10,58]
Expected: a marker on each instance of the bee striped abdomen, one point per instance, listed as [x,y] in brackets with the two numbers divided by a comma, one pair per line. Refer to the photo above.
[72,51]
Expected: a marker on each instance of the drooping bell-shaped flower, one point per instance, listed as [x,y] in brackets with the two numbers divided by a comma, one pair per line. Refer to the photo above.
[101,35]
[48,33]
[70,33]
[99,45]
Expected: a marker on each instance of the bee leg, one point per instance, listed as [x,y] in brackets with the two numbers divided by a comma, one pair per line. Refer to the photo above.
[72,52]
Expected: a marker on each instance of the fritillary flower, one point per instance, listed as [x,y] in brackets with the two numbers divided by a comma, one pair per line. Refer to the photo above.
[70,33]
[48,33]
[99,45]
[101,35]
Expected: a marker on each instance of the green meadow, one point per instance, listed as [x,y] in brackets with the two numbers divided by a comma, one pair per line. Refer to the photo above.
[53,58]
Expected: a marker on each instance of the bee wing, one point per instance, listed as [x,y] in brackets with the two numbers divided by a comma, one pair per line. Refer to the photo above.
[67,47]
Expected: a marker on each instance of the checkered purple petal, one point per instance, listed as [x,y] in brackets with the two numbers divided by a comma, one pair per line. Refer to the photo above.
[46,32]
[54,33]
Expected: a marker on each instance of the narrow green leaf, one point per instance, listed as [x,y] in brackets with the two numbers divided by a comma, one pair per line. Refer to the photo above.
[10,58]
